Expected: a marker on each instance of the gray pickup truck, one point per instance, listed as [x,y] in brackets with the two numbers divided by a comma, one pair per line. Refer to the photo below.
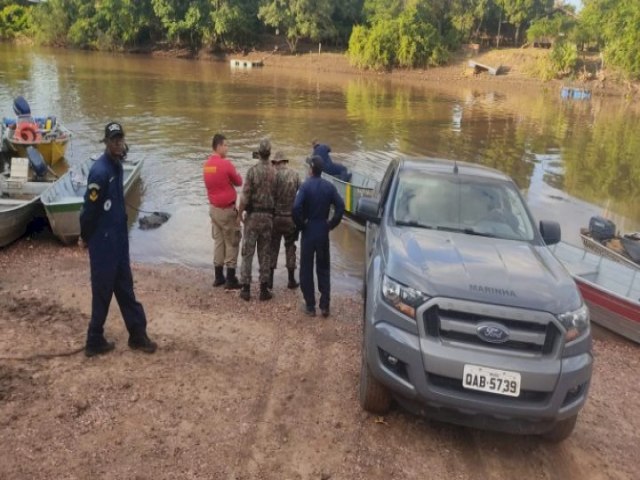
[469,318]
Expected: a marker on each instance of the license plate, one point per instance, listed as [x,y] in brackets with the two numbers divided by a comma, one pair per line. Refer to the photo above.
[491,380]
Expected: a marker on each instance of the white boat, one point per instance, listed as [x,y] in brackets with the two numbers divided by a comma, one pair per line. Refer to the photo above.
[19,201]
[63,200]
[611,289]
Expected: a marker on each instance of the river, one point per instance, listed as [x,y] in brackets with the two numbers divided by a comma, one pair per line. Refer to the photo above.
[572,159]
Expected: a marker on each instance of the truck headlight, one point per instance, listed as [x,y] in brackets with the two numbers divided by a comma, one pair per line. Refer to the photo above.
[402,298]
[576,322]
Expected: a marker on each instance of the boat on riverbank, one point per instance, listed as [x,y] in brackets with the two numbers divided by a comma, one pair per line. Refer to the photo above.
[50,140]
[19,199]
[63,200]
[610,288]
[601,238]
[358,187]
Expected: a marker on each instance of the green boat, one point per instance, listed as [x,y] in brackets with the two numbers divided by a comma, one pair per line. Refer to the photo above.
[63,200]
[359,186]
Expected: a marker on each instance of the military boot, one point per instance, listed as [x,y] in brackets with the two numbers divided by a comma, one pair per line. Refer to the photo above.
[245,292]
[271,278]
[265,293]
[232,282]
[219,277]
[292,279]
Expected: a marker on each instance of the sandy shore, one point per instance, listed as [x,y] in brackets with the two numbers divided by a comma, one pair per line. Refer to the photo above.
[245,391]
[516,66]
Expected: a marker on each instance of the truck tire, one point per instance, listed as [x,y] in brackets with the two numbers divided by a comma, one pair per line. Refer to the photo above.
[561,430]
[374,396]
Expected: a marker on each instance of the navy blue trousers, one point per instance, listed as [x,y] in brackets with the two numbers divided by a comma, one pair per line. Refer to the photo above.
[110,278]
[315,247]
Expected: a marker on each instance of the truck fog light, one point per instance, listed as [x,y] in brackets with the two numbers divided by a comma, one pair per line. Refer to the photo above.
[393,361]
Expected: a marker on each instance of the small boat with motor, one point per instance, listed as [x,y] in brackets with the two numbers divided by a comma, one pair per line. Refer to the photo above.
[46,134]
[601,238]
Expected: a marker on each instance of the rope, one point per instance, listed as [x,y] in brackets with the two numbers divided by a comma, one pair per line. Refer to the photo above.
[45,355]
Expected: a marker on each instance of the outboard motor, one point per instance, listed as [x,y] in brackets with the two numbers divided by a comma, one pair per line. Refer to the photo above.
[37,162]
[601,229]
[21,106]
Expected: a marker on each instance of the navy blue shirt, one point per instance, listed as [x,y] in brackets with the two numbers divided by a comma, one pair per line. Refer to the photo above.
[312,205]
[104,213]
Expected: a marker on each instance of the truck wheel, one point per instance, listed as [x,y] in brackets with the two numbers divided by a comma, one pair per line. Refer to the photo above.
[374,396]
[561,430]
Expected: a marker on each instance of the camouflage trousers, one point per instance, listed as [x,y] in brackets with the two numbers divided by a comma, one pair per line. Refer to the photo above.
[257,233]
[283,226]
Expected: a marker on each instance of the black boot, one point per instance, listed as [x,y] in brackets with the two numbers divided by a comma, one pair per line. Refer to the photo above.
[292,279]
[245,293]
[142,343]
[219,277]
[265,294]
[98,348]
[271,278]
[232,282]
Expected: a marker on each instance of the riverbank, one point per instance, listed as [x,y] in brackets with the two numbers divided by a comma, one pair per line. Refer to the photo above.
[518,70]
[245,391]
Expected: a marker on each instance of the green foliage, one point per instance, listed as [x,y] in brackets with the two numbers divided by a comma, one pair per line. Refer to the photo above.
[563,58]
[299,19]
[14,20]
[405,40]
[551,28]
[617,24]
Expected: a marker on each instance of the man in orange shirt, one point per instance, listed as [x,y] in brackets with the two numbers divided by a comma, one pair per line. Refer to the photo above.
[221,178]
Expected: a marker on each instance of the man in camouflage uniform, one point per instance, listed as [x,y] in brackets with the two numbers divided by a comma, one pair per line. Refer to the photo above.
[287,184]
[256,208]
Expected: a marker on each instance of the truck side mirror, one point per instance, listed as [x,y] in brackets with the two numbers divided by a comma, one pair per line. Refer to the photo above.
[367,209]
[550,232]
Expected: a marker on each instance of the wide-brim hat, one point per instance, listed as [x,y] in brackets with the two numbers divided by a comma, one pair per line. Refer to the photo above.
[279,157]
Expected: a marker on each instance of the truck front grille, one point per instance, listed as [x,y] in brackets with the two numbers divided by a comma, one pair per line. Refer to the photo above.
[460,326]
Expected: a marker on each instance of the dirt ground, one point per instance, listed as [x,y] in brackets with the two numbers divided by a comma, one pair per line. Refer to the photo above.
[246,391]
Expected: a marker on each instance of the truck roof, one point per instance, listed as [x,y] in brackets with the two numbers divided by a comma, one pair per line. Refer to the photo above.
[439,165]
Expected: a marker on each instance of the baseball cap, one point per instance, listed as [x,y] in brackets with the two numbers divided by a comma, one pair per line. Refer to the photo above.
[279,157]
[265,146]
[113,129]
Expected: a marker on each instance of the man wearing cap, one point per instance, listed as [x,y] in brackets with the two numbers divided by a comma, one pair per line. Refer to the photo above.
[287,184]
[311,210]
[257,208]
[103,227]
[221,180]
[329,166]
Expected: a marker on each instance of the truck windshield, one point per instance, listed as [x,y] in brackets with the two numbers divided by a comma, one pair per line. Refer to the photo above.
[464,204]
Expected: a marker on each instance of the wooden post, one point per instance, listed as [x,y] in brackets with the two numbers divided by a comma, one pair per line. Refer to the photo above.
[319,47]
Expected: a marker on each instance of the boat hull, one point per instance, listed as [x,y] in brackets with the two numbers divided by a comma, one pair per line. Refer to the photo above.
[14,222]
[360,186]
[612,312]
[52,152]
[63,211]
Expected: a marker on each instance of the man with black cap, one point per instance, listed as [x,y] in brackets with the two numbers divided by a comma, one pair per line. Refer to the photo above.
[103,227]
[256,209]
[287,184]
[311,210]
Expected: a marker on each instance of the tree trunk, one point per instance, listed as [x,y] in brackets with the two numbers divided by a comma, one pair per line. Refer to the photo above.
[499,30]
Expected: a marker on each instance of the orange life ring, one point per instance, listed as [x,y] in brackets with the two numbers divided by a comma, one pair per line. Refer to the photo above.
[27,133]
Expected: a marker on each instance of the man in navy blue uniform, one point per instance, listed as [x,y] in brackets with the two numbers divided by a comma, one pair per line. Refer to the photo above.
[329,166]
[311,210]
[103,227]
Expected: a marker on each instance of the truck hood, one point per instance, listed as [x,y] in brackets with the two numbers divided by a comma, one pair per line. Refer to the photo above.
[480,269]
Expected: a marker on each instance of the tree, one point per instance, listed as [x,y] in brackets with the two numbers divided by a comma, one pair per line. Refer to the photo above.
[185,22]
[299,19]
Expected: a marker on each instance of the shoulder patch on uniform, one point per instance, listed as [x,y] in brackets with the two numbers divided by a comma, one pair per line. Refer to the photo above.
[210,169]
[93,192]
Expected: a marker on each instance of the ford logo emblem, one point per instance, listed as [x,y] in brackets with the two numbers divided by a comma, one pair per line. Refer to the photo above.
[492,332]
